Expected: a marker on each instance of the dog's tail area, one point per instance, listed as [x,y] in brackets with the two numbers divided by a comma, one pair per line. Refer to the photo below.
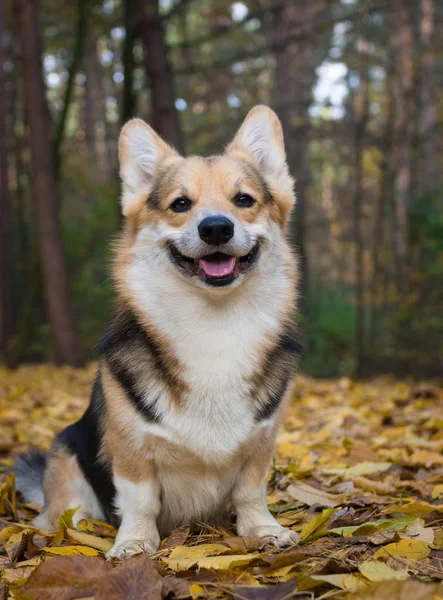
[29,470]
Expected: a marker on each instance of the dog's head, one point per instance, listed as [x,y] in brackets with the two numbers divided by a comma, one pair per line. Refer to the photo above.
[211,221]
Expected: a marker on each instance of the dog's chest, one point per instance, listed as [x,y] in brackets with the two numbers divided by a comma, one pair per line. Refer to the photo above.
[219,352]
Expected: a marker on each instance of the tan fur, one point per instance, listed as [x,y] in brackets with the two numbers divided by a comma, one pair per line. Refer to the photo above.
[55,479]
[208,183]
[127,457]
[190,424]
[64,491]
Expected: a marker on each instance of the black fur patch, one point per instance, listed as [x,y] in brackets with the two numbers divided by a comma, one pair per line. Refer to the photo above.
[269,386]
[84,440]
[128,382]
[132,354]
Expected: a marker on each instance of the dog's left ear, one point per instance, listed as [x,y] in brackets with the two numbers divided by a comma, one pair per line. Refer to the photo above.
[260,140]
[261,137]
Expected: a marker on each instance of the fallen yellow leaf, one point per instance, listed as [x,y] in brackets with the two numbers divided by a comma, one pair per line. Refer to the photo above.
[314,524]
[66,519]
[363,468]
[344,581]
[196,552]
[94,525]
[229,561]
[6,533]
[406,548]
[16,576]
[437,492]
[89,540]
[70,550]
[375,570]
[426,458]
[196,591]
[418,509]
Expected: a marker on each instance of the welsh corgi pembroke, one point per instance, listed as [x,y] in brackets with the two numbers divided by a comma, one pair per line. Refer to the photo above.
[195,365]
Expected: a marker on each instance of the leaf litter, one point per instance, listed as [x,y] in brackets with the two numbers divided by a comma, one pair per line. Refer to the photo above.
[358,474]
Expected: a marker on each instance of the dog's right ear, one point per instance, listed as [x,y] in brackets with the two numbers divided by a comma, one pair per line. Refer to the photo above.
[141,152]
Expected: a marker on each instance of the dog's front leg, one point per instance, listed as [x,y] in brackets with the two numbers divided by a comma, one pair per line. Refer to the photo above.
[249,499]
[138,500]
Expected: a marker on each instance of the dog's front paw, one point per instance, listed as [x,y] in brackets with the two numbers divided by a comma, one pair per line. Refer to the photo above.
[128,548]
[275,534]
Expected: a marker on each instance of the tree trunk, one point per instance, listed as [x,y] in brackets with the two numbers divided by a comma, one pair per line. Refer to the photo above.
[77,53]
[428,117]
[129,105]
[361,111]
[92,113]
[294,79]
[402,43]
[158,70]
[383,200]
[7,324]
[55,276]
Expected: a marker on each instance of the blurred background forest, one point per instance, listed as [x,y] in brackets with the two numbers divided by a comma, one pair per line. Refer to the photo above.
[358,86]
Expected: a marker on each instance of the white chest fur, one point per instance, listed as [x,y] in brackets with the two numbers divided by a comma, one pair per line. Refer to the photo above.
[219,345]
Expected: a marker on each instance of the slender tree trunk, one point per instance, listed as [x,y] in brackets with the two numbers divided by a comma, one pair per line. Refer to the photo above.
[428,117]
[361,108]
[294,79]
[381,203]
[28,278]
[304,77]
[91,116]
[77,53]
[164,114]
[402,42]
[129,104]
[7,324]
[108,136]
[55,276]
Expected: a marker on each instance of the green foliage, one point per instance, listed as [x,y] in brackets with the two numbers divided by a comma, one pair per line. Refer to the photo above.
[88,233]
[328,329]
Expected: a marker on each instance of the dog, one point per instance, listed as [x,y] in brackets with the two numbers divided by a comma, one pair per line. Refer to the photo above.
[195,366]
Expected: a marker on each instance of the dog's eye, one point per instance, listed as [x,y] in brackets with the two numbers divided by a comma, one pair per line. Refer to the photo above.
[181,205]
[243,201]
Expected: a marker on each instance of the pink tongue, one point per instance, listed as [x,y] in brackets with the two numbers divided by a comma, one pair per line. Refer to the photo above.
[218,269]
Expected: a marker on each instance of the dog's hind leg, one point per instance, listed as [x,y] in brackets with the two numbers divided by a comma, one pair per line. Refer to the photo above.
[66,487]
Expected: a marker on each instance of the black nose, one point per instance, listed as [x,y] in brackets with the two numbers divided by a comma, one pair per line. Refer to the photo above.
[216,230]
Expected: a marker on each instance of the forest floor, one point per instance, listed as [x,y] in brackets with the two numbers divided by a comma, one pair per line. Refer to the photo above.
[358,473]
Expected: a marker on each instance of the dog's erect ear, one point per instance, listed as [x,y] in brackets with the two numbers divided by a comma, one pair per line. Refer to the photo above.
[261,137]
[260,140]
[141,152]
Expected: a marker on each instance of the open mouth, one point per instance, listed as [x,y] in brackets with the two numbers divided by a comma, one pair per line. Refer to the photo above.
[215,269]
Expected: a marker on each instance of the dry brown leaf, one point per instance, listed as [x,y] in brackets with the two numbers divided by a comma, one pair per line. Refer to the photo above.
[178,537]
[86,577]
[378,487]
[310,495]
[405,590]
